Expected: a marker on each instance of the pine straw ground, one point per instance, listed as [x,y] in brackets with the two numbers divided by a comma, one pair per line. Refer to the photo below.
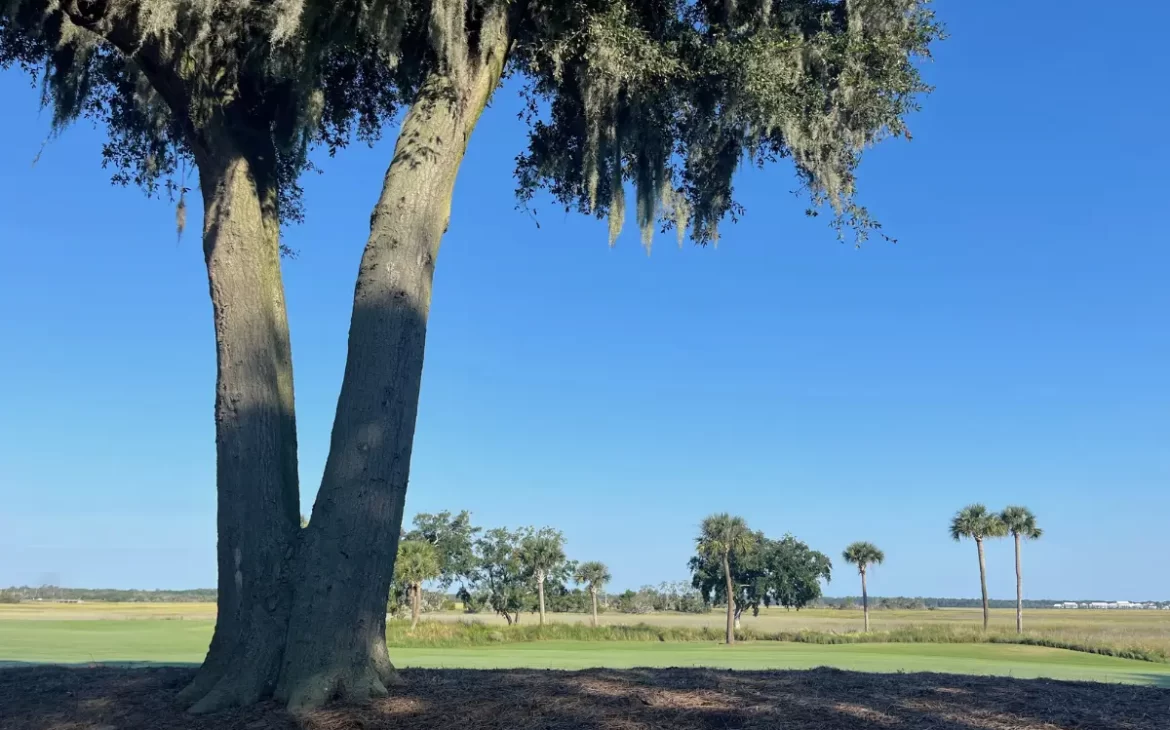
[54,698]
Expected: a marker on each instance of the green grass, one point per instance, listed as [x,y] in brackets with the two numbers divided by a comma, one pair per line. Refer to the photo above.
[1129,634]
[170,641]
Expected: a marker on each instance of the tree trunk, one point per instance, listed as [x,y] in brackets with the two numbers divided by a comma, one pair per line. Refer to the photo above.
[1019,590]
[337,637]
[593,596]
[864,602]
[730,598]
[415,604]
[258,512]
[983,584]
[255,426]
[540,594]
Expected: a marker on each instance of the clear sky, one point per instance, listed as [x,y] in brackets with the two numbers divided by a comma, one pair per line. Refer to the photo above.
[1013,346]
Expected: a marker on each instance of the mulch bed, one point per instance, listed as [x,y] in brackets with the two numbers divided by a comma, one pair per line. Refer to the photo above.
[101,698]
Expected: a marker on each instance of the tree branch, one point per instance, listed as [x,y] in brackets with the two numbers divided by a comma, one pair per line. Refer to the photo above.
[120,30]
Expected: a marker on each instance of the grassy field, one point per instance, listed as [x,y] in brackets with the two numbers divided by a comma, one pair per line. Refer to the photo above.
[1144,630]
[183,642]
[178,634]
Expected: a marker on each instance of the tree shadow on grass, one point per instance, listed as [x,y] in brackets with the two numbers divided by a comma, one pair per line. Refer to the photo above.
[56,698]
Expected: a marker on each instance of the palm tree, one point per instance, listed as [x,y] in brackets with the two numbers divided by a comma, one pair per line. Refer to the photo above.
[595,575]
[863,555]
[1021,523]
[417,562]
[542,552]
[720,537]
[976,523]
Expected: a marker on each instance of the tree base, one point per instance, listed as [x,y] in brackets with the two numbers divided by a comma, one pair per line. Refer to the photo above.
[339,684]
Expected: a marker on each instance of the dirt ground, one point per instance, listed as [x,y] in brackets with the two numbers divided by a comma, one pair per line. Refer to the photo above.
[98,698]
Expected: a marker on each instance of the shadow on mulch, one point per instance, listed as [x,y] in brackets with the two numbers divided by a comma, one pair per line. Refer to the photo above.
[100,698]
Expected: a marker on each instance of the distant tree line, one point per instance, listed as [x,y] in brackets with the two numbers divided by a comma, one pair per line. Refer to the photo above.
[18,594]
[444,562]
[924,603]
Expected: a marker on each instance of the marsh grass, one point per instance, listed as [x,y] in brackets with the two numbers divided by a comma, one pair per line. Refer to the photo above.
[451,634]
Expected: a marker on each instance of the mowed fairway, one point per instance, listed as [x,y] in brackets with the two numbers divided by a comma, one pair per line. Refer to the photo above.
[183,641]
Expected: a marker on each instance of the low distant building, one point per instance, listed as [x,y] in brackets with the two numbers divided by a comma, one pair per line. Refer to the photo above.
[1099,604]
[1069,604]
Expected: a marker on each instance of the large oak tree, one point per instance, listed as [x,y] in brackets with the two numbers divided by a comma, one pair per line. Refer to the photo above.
[667,98]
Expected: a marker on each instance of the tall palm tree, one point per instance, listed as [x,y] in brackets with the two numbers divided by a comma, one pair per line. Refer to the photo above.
[542,552]
[1021,523]
[594,575]
[720,537]
[863,555]
[976,523]
[417,562]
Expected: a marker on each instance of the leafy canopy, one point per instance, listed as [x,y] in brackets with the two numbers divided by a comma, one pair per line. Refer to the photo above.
[417,562]
[976,523]
[501,575]
[593,574]
[1020,522]
[543,552]
[724,534]
[671,96]
[783,572]
[452,537]
[863,554]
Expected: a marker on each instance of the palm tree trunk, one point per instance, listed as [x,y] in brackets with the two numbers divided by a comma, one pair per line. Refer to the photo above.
[730,598]
[983,584]
[1019,590]
[415,604]
[864,601]
[540,594]
[593,595]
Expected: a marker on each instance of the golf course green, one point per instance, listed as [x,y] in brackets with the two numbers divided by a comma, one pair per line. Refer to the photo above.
[184,642]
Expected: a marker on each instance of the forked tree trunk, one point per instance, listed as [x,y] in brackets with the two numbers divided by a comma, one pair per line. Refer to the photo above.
[1019,589]
[337,633]
[983,584]
[593,596]
[258,513]
[864,601]
[730,586]
[540,594]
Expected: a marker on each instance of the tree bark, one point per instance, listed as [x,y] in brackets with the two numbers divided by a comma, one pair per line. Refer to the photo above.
[258,512]
[593,596]
[1019,589]
[540,594]
[256,463]
[730,598]
[864,601]
[415,604]
[983,584]
[337,642]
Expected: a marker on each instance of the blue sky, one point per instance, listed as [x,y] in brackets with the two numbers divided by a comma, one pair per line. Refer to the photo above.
[1012,347]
